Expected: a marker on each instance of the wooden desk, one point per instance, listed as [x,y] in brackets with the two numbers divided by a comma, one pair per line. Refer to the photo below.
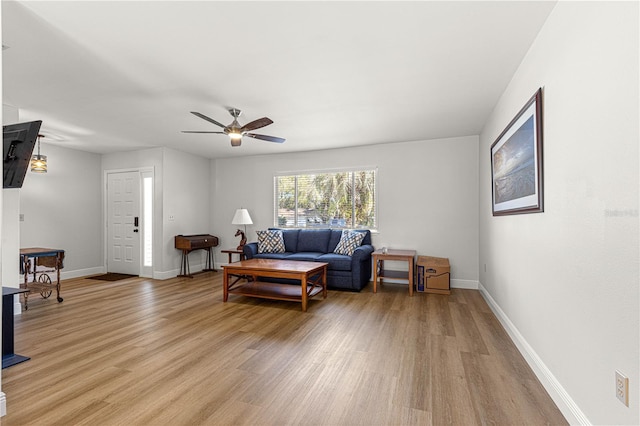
[231,252]
[189,243]
[396,255]
[30,259]
[9,358]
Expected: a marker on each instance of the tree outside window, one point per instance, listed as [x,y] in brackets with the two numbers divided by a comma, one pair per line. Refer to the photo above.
[323,200]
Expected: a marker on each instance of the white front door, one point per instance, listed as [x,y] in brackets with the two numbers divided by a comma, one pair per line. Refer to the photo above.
[123,216]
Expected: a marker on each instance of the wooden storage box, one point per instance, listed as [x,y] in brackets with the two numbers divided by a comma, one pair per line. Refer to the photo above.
[434,275]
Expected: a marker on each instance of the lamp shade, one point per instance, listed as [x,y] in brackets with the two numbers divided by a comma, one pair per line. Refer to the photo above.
[241,218]
[39,163]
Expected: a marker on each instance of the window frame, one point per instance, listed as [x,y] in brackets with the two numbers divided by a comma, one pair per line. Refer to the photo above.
[305,173]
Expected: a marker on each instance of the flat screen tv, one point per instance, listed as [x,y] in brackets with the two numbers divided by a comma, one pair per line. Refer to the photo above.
[18,142]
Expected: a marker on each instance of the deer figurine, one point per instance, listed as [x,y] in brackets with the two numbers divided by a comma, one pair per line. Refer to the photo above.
[243,239]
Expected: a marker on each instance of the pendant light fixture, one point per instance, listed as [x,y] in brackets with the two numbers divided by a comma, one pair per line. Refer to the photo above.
[39,162]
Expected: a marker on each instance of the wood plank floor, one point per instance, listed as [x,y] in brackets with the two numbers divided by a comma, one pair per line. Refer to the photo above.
[148,352]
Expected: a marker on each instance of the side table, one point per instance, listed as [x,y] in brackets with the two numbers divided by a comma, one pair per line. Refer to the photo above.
[395,255]
[231,252]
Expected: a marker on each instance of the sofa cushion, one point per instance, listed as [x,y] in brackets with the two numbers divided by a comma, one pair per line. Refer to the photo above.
[277,256]
[349,242]
[334,240]
[337,262]
[290,239]
[309,256]
[270,241]
[313,240]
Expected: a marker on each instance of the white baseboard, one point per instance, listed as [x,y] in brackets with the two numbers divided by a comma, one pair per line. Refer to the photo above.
[78,273]
[165,275]
[466,284]
[560,396]
[3,404]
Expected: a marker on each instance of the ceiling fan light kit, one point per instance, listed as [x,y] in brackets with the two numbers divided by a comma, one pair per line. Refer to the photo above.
[235,131]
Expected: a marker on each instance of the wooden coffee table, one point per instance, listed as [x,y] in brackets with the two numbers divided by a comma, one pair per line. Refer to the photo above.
[253,279]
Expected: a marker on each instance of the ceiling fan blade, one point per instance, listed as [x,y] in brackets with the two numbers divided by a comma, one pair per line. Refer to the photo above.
[256,124]
[201,131]
[209,119]
[265,137]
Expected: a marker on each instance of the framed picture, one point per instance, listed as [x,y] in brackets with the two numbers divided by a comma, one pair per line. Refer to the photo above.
[516,163]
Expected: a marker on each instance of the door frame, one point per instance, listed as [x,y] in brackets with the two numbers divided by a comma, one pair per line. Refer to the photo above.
[145,271]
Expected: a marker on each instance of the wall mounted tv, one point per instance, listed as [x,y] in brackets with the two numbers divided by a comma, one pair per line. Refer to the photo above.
[18,142]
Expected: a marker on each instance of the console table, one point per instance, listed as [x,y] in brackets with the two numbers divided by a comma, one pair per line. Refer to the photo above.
[9,358]
[189,243]
[380,273]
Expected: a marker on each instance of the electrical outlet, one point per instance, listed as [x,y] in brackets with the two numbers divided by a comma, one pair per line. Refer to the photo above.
[622,388]
[171,218]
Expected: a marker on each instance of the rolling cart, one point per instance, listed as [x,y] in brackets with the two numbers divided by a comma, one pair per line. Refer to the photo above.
[37,262]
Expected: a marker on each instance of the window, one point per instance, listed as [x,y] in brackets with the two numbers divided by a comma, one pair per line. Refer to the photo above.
[147,221]
[345,199]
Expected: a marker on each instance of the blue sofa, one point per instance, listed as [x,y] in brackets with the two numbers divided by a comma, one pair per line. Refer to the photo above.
[317,245]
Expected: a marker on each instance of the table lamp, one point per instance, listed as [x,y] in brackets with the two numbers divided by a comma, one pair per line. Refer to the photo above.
[241,218]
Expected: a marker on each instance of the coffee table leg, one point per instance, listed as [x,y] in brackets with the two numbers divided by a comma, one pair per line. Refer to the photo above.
[303,286]
[324,282]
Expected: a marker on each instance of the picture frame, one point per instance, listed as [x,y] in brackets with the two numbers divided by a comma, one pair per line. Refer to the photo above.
[516,163]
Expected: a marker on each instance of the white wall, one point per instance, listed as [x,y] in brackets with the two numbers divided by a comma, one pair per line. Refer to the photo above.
[11,240]
[182,190]
[427,195]
[136,160]
[63,208]
[565,282]
[186,203]
[3,398]
[10,224]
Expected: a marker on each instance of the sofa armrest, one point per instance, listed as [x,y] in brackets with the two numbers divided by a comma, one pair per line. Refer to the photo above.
[250,250]
[361,267]
[362,253]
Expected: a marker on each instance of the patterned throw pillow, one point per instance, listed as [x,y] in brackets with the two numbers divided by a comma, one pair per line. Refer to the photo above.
[270,241]
[349,242]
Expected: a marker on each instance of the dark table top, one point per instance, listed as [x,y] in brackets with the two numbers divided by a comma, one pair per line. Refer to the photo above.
[39,251]
[8,291]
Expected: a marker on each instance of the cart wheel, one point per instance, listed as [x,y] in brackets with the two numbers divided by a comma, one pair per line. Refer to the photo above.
[44,278]
[60,299]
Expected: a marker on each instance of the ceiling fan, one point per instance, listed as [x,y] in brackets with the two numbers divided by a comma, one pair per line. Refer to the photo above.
[235,131]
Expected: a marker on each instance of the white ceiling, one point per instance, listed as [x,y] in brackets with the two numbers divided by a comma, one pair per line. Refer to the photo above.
[115,76]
